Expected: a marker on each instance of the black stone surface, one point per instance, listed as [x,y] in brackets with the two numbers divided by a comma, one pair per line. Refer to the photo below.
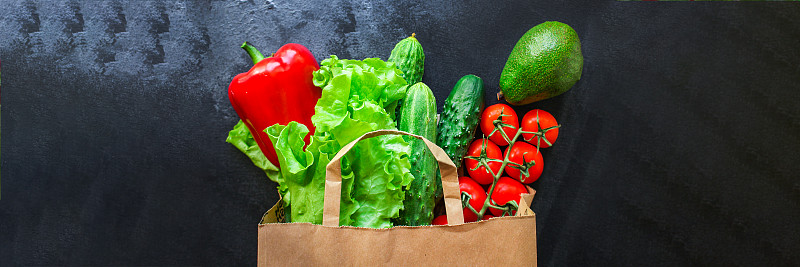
[679,145]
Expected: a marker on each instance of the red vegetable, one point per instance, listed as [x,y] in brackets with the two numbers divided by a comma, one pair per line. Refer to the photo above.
[481,175]
[276,90]
[506,190]
[440,220]
[476,194]
[543,124]
[531,168]
[509,118]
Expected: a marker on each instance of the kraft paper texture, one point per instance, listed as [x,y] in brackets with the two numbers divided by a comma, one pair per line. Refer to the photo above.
[504,241]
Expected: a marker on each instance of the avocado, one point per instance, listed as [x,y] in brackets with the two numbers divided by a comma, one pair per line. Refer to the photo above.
[545,62]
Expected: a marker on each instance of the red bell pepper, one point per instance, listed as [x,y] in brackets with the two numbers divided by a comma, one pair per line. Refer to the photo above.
[276,90]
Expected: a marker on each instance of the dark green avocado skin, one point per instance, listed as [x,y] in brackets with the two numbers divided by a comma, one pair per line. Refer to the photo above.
[546,62]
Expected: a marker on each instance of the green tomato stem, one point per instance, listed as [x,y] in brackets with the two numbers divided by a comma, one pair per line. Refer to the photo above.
[484,161]
[497,175]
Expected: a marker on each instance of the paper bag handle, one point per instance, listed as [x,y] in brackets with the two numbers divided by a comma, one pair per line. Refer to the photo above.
[333,181]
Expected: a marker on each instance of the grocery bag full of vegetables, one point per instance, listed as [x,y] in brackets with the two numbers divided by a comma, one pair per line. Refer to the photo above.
[505,241]
[353,187]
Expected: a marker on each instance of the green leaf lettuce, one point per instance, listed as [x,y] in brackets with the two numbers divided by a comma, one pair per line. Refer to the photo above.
[357,97]
[241,138]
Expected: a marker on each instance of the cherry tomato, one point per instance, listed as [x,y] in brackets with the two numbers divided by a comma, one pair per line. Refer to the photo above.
[491,114]
[487,216]
[545,126]
[440,220]
[506,190]
[534,163]
[476,194]
[481,175]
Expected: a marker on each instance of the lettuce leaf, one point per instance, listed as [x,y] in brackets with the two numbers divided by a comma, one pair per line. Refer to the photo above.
[304,170]
[242,139]
[357,97]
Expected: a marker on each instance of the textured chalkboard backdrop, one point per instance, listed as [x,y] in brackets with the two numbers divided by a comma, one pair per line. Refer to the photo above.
[679,145]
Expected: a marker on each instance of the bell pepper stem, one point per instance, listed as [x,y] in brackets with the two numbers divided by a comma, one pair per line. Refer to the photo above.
[253,52]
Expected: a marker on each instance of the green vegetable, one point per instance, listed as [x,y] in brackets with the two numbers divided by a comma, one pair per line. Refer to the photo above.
[460,117]
[419,117]
[357,97]
[304,170]
[545,62]
[408,56]
[241,138]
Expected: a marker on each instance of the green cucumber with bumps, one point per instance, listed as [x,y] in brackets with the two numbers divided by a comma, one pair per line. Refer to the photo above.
[418,117]
[409,58]
[460,117]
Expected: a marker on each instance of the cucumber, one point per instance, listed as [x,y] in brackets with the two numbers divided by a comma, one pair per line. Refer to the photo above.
[418,117]
[409,58]
[460,117]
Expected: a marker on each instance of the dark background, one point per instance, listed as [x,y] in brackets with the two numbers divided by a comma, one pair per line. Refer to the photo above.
[679,145]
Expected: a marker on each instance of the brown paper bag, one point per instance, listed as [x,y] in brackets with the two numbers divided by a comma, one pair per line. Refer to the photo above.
[504,241]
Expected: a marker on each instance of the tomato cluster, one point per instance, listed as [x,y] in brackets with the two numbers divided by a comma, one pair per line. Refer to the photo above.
[500,123]
[500,126]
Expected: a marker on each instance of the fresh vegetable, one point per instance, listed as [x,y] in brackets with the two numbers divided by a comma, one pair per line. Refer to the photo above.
[483,150]
[507,190]
[460,117]
[440,220]
[472,195]
[357,97]
[543,126]
[546,62]
[487,216]
[419,117]
[302,178]
[528,162]
[276,90]
[408,56]
[241,138]
[521,160]
[499,116]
